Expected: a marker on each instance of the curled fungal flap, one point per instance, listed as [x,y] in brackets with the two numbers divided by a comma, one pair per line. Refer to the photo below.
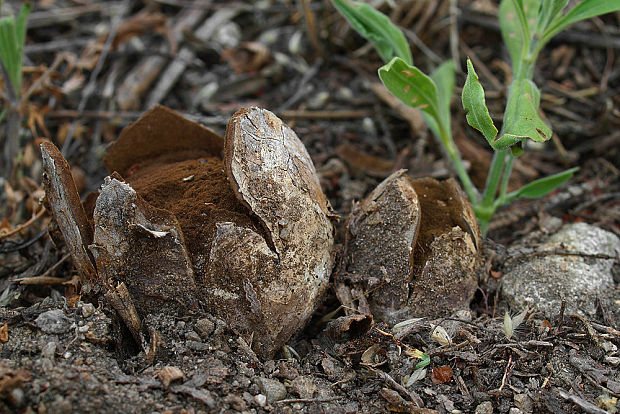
[66,206]
[159,131]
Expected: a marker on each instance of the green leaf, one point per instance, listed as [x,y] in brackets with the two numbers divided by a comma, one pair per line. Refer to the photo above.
[516,25]
[426,359]
[12,38]
[475,106]
[412,86]
[541,187]
[550,10]
[584,10]
[521,119]
[444,79]
[375,26]
[8,50]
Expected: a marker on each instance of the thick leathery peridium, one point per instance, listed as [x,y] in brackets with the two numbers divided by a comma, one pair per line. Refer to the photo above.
[247,237]
[415,244]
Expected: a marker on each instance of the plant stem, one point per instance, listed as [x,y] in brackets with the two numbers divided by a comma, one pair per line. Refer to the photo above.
[455,156]
[505,179]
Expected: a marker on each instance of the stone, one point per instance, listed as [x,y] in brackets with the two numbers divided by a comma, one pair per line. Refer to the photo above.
[273,389]
[542,281]
[53,321]
[484,408]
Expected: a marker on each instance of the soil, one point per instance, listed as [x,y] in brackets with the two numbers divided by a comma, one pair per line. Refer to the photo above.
[62,350]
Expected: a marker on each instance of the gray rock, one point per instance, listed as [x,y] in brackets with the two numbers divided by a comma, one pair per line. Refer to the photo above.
[273,389]
[542,281]
[524,403]
[53,322]
[484,408]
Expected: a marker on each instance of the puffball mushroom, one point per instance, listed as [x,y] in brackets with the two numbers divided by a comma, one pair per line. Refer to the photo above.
[246,236]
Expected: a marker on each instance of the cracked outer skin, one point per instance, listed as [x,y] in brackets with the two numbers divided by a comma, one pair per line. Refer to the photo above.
[284,277]
[265,284]
[143,247]
[64,201]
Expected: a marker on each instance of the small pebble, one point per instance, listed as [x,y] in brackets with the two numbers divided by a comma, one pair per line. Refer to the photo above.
[193,336]
[484,408]
[273,389]
[87,310]
[53,321]
[260,399]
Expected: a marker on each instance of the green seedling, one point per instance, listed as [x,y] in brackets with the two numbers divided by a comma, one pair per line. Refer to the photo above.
[527,26]
[12,38]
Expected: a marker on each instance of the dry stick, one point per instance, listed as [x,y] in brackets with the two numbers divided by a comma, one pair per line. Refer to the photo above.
[41,280]
[344,114]
[413,396]
[38,84]
[56,16]
[90,87]
[139,79]
[56,45]
[313,34]
[420,45]
[71,113]
[588,407]
[309,400]
[25,225]
[610,54]
[176,68]
[454,34]
[499,391]
[302,86]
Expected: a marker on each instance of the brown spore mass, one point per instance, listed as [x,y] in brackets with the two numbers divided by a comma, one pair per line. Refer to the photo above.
[440,210]
[197,192]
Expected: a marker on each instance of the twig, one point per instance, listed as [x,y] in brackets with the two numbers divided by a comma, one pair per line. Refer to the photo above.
[420,45]
[309,400]
[343,114]
[588,407]
[48,72]
[57,16]
[482,67]
[172,73]
[505,374]
[18,246]
[560,253]
[41,280]
[25,225]
[301,88]
[454,34]
[404,391]
[92,82]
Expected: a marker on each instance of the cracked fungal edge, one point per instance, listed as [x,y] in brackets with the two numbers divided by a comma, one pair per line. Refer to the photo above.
[67,208]
[257,147]
[272,174]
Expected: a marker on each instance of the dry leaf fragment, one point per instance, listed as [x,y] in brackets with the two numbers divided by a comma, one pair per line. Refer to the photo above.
[170,374]
[4,333]
[442,375]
